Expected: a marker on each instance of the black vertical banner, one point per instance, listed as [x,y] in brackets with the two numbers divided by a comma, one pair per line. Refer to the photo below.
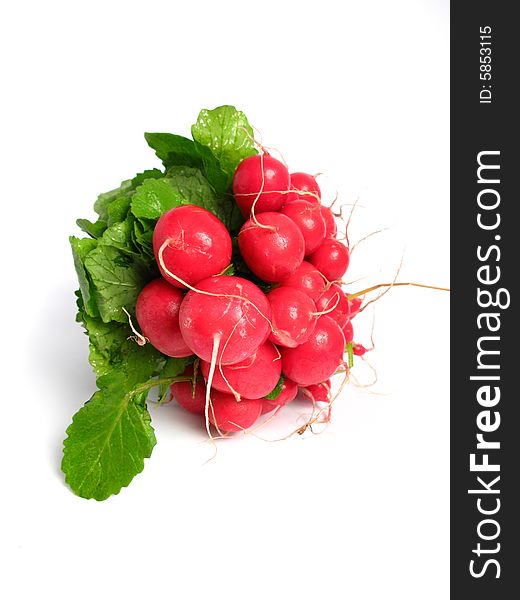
[485,250]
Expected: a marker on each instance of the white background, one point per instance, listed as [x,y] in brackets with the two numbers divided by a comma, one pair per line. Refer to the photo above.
[357,90]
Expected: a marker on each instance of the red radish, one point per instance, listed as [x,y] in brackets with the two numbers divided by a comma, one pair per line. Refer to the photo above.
[247,183]
[319,392]
[251,378]
[307,279]
[157,312]
[355,306]
[272,247]
[193,400]
[198,245]
[286,395]
[305,188]
[228,415]
[293,316]
[227,311]
[334,296]
[359,350]
[309,220]
[331,226]
[348,332]
[318,358]
[331,259]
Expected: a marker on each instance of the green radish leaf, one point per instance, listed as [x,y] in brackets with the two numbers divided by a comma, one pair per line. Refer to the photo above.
[213,172]
[95,230]
[174,150]
[175,366]
[182,185]
[153,198]
[142,237]
[119,236]
[112,347]
[80,250]
[226,132]
[273,395]
[108,440]
[172,368]
[112,207]
[117,279]
[105,200]
[140,178]
[118,209]
[192,187]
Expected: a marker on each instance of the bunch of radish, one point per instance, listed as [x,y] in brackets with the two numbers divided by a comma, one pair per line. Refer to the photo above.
[229,273]
[282,323]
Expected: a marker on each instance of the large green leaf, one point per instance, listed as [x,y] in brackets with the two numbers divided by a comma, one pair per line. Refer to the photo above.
[112,347]
[226,132]
[174,150]
[80,250]
[108,440]
[181,186]
[117,279]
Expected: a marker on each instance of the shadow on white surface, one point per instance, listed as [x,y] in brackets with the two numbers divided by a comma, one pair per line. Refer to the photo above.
[58,352]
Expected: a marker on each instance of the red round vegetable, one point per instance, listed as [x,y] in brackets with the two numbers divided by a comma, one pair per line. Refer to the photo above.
[293,316]
[331,227]
[359,350]
[309,220]
[198,245]
[229,415]
[331,259]
[318,358]
[286,395]
[251,378]
[334,296]
[233,315]
[157,312]
[192,400]
[318,392]
[305,187]
[355,306]
[247,183]
[348,332]
[307,279]
[273,248]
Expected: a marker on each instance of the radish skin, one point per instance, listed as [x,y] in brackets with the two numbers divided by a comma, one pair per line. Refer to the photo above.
[307,279]
[261,180]
[293,316]
[318,358]
[229,416]
[157,312]
[286,395]
[194,401]
[233,309]
[272,246]
[331,258]
[251,378]
[198,245]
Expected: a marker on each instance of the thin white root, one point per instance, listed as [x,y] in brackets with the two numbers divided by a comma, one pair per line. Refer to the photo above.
[232,389]
[253,215]
[160,260]
[208,405]
[138,338]
[354,246]
[328,310]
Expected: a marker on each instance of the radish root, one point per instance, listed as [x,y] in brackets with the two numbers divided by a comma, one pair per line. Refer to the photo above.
[160,260]
[138,338]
